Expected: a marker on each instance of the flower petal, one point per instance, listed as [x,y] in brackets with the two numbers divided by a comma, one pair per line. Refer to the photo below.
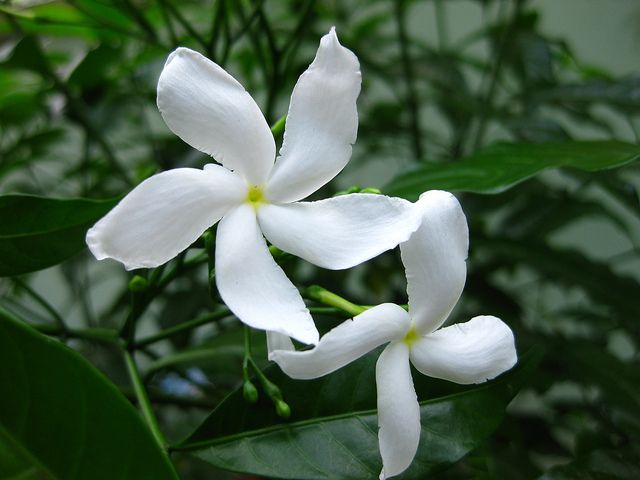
[398,410]
[434,260]
[278,341]
[207,108]
[471,352]
[345,343]
[322,123]
[339,232]
[252,285]
[164,214]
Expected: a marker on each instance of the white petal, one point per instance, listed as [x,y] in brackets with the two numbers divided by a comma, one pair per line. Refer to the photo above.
[321,124]
[339,232]
[207,108]
[471,352]
[252,285]
[434,260]
[165,214]
[278,341]
[345,343]
[398,410]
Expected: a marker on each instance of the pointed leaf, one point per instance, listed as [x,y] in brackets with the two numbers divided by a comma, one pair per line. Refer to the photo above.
[38,232]
[503,165]
[60,418]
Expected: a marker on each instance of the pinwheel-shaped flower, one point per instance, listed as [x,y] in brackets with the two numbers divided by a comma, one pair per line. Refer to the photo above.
[472,352]
[211,111]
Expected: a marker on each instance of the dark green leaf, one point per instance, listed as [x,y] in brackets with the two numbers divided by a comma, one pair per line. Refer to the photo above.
[38,232]
[61,417]
[619,464]
[332,432]
[27,55]
[622,93]
[503,165]
[94,68]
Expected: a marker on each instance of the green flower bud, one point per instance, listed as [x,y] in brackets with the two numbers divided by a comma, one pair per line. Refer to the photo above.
[272,390]
[138,284]
[371,190]
[282,409]
[250,392]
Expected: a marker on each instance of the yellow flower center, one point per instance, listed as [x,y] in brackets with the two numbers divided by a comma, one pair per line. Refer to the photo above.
[255,196]
[411,337]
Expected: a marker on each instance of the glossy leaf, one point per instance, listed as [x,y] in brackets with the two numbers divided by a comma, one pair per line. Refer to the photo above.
[38,232]
[503,165]
[60,418]
[332,432]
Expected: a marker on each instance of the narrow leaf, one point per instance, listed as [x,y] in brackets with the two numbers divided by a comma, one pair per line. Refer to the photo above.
[503,165]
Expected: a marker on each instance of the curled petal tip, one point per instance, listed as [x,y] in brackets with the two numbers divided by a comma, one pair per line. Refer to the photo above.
[179,52]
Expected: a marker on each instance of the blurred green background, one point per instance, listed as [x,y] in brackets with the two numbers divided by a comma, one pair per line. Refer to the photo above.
[554,251]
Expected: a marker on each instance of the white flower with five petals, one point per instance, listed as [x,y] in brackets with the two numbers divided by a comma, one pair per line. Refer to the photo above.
[252,196]
[472,352]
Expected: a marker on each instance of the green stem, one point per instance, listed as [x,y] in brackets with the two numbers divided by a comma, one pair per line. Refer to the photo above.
[183,327]
[441,24]
[495,73]
[333,311]
[274,80]
[78,108]
[247,353]
[42,302]
[164,399]
[407,67]
[141,20]
[142,300]
[185,24]
[143,400]
[322,295]
[103,335]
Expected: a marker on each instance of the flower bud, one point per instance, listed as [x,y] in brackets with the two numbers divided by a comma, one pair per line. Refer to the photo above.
[138,284]
[249,392]
[282,409]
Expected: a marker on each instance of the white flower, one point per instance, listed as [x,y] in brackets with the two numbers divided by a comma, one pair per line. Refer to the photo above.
[211,111]
[472,352]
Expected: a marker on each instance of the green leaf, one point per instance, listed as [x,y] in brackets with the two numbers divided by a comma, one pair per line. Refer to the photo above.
[38,232]
[95,67]
[620,464]
[332,432]
[60,418]
[27,55]
[503,165]
[621,93]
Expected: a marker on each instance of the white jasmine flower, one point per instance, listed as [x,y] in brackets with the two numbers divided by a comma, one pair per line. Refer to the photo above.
[252,195]
[472,352]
